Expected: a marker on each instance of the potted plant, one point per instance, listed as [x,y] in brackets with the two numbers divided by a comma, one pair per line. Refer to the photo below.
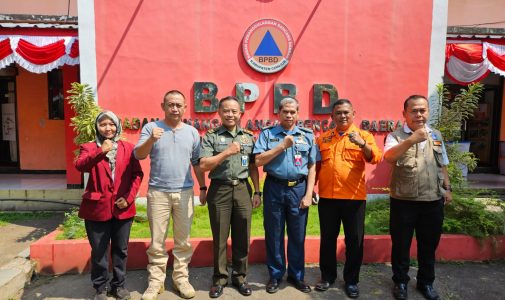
[454,112]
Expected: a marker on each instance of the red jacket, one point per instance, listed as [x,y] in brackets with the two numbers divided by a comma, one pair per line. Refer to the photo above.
[101,192]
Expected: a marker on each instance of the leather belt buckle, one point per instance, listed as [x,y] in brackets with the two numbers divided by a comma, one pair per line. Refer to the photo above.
[235,182]
[292,183]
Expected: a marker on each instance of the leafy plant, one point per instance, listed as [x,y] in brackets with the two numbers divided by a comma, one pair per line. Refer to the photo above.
[86,110]
[377,217]
[474,213]
[73,226]
[455,111]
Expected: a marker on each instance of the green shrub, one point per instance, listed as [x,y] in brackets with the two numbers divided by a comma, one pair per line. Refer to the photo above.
[377,217]
[469,215]
[73,226]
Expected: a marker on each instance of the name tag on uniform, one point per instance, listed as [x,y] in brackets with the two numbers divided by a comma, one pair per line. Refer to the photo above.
[274,140]
[245,160]
[298,160]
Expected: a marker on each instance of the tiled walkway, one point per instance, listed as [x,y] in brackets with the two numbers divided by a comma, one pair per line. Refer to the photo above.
[33,181]
[487,181]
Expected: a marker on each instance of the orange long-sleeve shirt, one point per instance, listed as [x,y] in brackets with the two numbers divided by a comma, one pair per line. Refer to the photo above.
[342,165]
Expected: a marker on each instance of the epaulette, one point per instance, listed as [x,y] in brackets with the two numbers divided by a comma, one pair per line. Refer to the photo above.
[248,131]
[267,127]
[307,130]
[212,130]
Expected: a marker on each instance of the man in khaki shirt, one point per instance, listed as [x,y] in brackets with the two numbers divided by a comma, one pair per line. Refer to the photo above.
[419,189]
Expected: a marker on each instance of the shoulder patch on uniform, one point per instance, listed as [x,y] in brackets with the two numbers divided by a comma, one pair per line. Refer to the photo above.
[308,130]
[248,131]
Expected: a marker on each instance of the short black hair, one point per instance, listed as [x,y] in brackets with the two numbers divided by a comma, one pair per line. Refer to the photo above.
[340,102]
[412,97]
[173,92]
[228,98]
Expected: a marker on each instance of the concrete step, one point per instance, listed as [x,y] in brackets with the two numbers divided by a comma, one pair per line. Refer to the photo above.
[14,275]
[36,200]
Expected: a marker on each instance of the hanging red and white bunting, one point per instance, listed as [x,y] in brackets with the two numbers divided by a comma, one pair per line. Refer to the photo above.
[39,54]
[471,62]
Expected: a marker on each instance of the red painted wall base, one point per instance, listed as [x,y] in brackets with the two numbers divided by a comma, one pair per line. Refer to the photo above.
[73,256]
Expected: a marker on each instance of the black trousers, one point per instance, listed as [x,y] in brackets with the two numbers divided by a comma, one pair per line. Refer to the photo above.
[100,234]
[426,218]
[352,215]
[230,208]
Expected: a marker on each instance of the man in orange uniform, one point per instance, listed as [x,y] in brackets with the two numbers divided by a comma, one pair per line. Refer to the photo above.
[342,190]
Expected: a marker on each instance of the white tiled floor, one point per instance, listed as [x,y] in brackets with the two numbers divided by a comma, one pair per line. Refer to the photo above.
[489,181]
[33,181]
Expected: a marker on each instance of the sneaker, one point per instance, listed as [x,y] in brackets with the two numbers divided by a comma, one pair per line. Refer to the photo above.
[120,293]
[152,292]
[100,295]
[185,289]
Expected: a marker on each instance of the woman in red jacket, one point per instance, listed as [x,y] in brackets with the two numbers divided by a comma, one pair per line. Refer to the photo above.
[108,203]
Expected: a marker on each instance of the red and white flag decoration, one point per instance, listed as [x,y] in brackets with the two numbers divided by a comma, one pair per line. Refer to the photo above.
[466,63]
[39,54]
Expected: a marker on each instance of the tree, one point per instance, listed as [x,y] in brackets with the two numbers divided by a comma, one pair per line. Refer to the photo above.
[86,110]
[455,111]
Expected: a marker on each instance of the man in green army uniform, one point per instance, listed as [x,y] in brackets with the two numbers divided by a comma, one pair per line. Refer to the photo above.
[227,154]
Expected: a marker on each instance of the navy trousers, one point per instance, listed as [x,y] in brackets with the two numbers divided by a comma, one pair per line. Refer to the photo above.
[280,210]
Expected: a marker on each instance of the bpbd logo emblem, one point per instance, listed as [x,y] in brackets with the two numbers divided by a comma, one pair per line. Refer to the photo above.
[267,46]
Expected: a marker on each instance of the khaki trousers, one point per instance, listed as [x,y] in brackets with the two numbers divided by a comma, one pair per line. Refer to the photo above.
[160,205]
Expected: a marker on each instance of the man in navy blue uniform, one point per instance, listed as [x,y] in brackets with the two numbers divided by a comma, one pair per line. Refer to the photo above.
[288,154]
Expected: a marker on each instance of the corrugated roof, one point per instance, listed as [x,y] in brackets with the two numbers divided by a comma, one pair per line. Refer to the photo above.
[475,32]
[38,25]
[38,21]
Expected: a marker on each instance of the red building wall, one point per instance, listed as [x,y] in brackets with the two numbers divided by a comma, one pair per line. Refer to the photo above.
[375,53]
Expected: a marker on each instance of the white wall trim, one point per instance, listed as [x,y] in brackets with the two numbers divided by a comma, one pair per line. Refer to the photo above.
[87,48]
[437,54]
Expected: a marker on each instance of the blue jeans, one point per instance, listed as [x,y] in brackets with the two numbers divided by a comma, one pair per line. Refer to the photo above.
[280,209]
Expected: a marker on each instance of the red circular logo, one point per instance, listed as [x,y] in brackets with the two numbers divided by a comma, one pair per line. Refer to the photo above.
[267,46]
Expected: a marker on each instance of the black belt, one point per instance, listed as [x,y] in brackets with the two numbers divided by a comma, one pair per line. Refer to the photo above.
[232,182]
[287,182]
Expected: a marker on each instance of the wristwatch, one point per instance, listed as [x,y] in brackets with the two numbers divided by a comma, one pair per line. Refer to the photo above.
[448,188]
[258,193]
[203,188]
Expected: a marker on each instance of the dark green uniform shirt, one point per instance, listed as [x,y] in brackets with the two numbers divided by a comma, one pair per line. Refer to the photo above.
[236,166]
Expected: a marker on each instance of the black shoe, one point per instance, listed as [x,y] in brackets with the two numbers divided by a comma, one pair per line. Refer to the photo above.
[273,285]
[120,293]
[243,288]
[322,285]
[352,290]
[400,291]
[428,291]
[100,295]
[299,285]
[216,290]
